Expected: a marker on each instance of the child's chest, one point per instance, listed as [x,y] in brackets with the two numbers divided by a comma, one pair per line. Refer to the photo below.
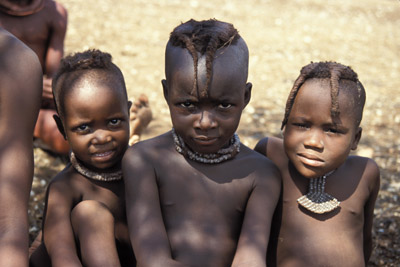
[110,194]
[209,189]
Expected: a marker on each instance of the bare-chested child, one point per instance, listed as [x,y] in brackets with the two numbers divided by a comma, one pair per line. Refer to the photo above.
[42,25]
[325,216]
[195,195]
[85,221]
[20,94]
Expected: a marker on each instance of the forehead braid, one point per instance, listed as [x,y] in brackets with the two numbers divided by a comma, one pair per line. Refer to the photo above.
[335,72]
[204,37]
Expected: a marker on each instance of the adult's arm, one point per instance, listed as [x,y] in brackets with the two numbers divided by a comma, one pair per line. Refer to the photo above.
[20,96]
[55,51]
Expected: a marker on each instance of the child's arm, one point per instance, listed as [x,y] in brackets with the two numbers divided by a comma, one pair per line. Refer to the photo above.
[254,236]
[147,231]
[58,235]
[55,50]
[372,173]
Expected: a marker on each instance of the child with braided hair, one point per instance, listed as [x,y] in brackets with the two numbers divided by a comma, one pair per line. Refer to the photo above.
[84,222]
[325,214]
[195,195]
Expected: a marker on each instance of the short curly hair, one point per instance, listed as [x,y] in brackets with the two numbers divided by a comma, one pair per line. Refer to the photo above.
[204,37]
[335,72]
[77,65]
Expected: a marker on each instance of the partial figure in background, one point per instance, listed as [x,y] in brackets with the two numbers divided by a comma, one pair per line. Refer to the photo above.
[20,96]
[326,211]
[41,25]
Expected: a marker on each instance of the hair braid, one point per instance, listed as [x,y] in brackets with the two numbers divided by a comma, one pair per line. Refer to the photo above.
[334,72]
[203,37]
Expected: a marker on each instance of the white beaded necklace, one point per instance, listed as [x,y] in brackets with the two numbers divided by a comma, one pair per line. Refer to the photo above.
[317,200]
[105,176]
[213,158]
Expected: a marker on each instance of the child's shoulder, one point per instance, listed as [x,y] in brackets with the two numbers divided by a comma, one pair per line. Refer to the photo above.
[367,166]
[159,145]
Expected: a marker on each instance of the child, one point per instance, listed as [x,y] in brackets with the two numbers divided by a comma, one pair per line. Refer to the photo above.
[85,202]
[195,195]
[326,212]
[19,108]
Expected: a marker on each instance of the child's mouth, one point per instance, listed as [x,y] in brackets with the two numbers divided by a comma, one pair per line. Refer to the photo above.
[310,160]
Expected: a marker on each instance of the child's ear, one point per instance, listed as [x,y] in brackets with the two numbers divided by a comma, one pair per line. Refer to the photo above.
[165,89]
[247,93]
[60,125]
[356,139]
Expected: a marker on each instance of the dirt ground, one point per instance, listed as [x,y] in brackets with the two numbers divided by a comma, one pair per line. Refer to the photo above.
[283,36]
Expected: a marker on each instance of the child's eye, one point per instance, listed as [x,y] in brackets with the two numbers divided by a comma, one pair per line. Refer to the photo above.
[187,104]
[333,130]
[82,128]
[224,105]
[300,125]
[115,122]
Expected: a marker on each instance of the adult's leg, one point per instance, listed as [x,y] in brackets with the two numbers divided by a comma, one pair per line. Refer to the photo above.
[140,117]
[47,132]
[93,225]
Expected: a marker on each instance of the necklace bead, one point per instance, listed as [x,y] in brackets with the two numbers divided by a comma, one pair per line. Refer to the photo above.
[223,154]
[105,176]
[317,200]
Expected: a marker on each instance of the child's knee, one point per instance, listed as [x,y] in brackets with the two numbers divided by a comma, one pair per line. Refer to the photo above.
[91,213]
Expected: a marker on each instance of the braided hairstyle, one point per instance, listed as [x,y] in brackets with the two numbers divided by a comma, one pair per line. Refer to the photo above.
[335,72]
[204,37]
[91,64]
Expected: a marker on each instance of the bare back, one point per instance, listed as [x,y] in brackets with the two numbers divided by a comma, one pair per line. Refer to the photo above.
[43,32]
[196,213]
[339,238]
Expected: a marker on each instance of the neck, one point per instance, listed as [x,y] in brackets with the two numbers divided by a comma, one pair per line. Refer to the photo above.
[221,155]
[99,176]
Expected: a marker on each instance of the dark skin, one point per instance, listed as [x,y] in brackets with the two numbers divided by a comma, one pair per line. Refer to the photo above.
[19,107]
[314,143]
[85,218]
[44,32]
[185,213]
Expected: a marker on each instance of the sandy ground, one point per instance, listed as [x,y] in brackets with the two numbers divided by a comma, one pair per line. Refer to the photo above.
[283,36]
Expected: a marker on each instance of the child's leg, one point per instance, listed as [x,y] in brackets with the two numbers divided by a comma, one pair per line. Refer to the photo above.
[46,130]
[93,225]
[140,117]
[40,257]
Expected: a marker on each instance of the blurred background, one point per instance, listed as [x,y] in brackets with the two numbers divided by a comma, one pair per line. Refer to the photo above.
[282,36]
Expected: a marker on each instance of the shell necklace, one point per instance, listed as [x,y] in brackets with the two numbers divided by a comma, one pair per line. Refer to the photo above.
[317,200]
[105,176]
[223,154]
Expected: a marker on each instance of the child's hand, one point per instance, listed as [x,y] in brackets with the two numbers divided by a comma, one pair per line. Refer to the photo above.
[47,91]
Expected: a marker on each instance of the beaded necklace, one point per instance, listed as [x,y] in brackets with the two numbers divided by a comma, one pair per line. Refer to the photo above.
[223,154]
[317,200]
[105,176]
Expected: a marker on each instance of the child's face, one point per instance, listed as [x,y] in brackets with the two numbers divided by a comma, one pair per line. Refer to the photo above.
[315,142]
[96,124]
[206,123]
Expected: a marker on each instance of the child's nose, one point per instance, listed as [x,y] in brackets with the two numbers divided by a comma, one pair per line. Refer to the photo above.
[314,139]
[206,120]
[101,137]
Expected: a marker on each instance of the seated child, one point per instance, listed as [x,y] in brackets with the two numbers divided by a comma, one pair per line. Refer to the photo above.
[326,212]
[195,195]
[85,221]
